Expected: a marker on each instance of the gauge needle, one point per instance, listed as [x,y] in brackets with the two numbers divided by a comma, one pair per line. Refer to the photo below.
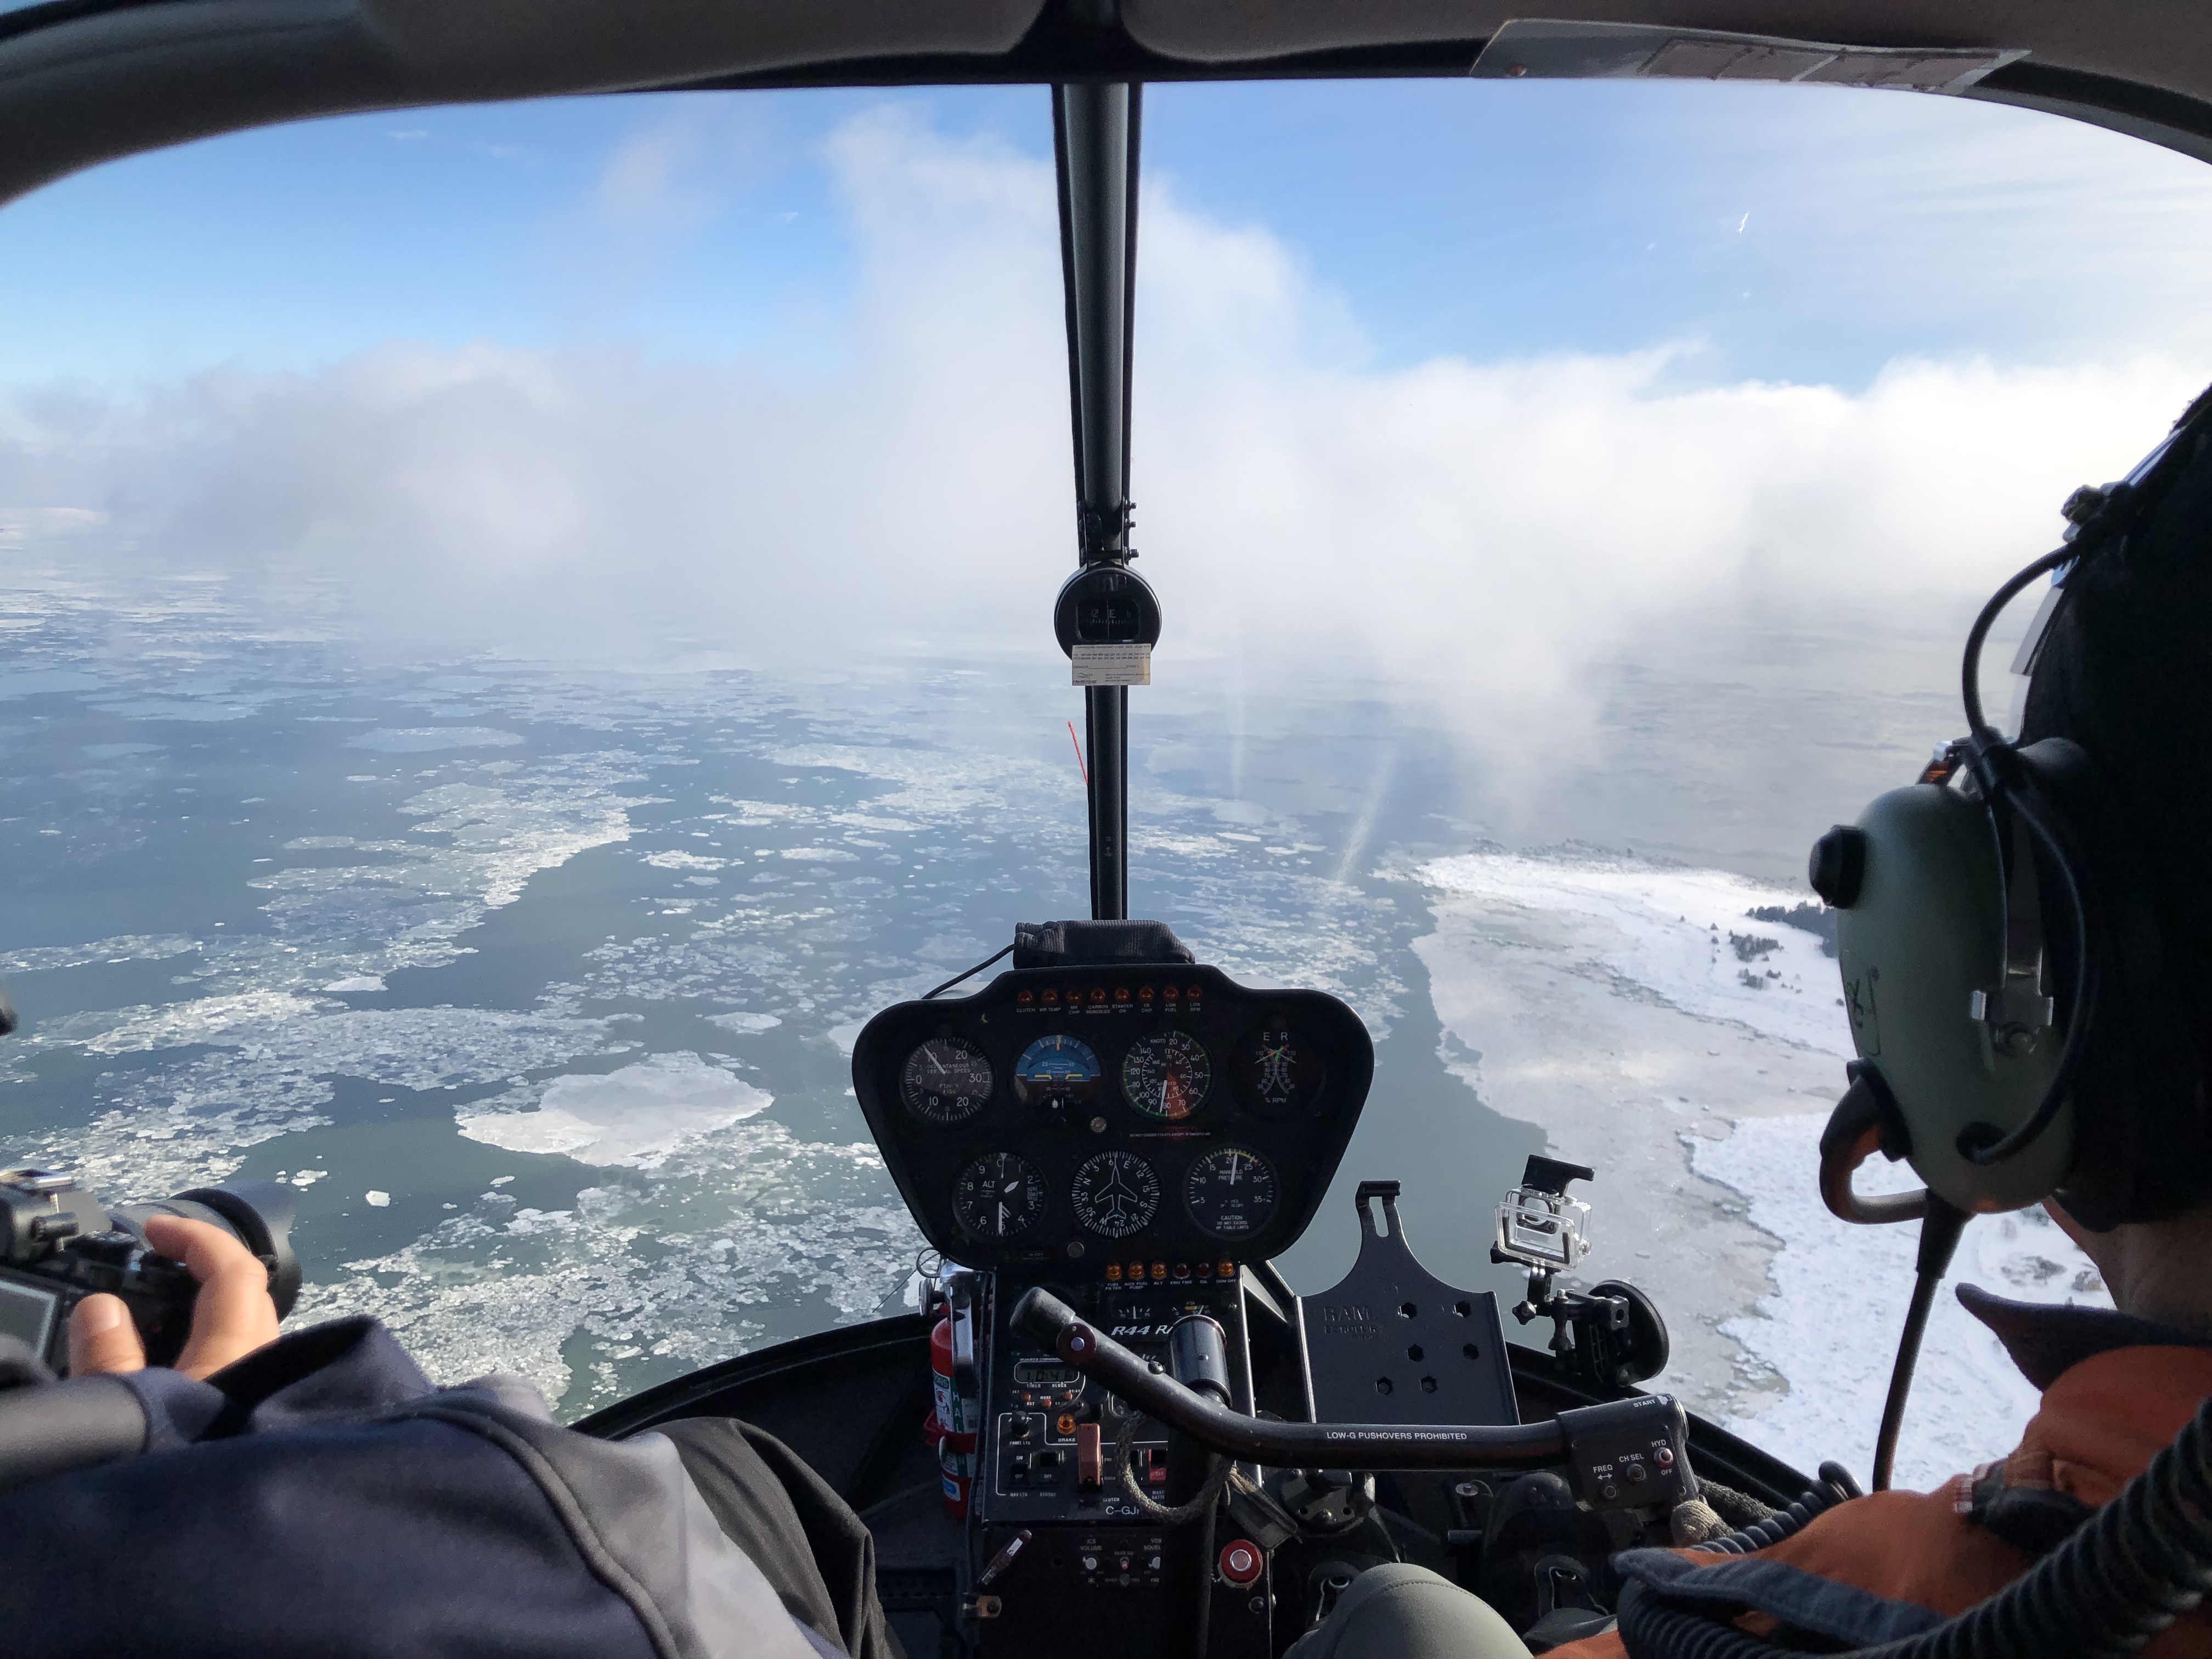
[935,1061]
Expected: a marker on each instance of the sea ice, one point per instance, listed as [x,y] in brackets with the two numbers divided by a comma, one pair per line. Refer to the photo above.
[1830,1326]
[421,740]
[632,1117]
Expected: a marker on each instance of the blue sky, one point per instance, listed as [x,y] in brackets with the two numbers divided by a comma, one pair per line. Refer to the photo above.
[1555,366]
[1797,233]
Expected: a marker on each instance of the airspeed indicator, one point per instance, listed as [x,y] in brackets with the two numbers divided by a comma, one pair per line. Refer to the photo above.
[998,1195]
[1230,1193]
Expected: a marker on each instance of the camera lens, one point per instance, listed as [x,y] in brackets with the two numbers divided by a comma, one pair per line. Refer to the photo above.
[256,1214]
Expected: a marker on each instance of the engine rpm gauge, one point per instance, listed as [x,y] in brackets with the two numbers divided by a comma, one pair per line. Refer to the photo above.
[998,1196]
[946,1080]
[1167,1074]
[1278,1069]
[1058,1071]
[1230,1191]
[1115,1193]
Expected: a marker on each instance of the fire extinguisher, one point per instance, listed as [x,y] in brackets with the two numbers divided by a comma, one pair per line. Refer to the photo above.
[957,1407]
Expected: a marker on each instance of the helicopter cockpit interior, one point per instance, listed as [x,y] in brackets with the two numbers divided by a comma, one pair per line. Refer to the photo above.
[1113,1427]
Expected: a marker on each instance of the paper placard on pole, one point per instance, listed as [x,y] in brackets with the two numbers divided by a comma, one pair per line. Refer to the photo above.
[1111,665]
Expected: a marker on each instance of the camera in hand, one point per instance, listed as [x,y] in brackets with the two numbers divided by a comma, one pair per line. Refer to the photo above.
[59,1245]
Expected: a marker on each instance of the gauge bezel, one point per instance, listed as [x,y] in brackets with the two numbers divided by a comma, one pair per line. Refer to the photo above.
[1032,1094]
[1075,1204]
[907,1093]
[1036,1183]
[1276,1019]
[1165,1034]
[1274,1203]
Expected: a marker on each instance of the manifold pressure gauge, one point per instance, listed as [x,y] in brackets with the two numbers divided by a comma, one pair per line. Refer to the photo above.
[946,1080]
[1115,1193]
[1000,1196]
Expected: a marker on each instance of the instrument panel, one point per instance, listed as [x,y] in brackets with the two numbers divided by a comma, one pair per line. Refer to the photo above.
[1144,1120]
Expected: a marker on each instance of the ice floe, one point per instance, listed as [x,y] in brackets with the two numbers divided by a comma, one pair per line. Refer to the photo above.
[633,1118]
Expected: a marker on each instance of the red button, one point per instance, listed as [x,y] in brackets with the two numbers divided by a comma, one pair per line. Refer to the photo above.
[1242,1562]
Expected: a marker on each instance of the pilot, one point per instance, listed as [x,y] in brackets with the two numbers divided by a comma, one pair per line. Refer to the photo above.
[313,1494]
[2126,672]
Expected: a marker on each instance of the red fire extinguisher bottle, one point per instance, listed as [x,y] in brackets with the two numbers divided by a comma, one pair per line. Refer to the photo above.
[956,1415]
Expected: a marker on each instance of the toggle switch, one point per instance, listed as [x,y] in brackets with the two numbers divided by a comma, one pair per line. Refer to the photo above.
[1090,1460]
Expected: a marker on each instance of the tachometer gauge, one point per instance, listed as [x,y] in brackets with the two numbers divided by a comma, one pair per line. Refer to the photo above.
[1167,1074]
[1117,1194]
[1060,1072]
[1230,1191]
[998,1196]
[1278,1069]
[946,1080]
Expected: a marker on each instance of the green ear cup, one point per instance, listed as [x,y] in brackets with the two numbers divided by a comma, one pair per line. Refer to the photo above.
[1922,934]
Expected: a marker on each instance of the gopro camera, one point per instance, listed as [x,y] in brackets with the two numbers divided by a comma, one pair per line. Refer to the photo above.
[1538,1224]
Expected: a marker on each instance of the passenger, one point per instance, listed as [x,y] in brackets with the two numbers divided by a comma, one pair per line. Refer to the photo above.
[394,1518]
[2126,673]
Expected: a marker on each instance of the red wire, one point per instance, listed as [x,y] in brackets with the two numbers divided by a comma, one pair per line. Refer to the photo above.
[1079,766]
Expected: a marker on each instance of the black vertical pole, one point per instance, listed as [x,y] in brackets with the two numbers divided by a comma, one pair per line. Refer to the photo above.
[1095,133]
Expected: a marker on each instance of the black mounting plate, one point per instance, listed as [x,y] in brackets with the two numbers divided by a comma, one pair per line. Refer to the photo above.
[1393,1343]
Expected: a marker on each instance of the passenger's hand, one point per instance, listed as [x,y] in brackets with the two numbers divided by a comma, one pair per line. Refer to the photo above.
[232,1315]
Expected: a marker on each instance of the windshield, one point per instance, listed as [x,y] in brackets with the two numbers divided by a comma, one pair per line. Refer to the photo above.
[527,625]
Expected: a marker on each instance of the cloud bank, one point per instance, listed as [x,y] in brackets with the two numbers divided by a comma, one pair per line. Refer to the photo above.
[1480,531]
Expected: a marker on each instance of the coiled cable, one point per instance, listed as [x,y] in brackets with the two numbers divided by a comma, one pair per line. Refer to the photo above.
[1836,1486]
[1168,1515]
[2134,1567]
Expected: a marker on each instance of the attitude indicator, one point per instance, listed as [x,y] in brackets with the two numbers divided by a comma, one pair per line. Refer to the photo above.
[1000,1196]
[1167,1074]
[1060,1072]
[1115,1193]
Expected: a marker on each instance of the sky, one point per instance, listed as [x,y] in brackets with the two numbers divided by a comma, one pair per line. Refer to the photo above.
[1794,232]
[1466,386]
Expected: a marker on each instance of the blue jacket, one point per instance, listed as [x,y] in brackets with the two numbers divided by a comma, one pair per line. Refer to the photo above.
[321,1498]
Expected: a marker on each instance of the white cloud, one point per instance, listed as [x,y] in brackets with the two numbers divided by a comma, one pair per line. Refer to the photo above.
[1482,531]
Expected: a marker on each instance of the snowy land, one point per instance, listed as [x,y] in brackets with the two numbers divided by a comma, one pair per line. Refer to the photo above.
[1661,1030]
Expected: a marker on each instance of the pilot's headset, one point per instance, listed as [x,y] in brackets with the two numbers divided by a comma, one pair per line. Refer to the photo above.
[2026,1008]
[2030,1011]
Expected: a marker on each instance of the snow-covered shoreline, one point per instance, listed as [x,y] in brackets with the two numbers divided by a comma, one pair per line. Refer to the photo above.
[1654,1029]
